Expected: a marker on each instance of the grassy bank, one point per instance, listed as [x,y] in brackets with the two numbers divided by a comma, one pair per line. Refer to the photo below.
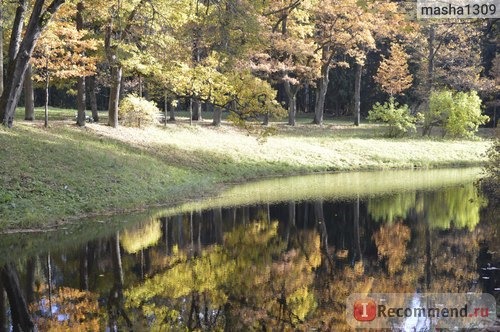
[51,175]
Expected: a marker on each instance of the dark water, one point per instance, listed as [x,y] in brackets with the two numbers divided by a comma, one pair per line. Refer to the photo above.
[278,255]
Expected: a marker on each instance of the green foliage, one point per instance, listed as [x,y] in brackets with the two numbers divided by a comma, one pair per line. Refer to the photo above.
[391,208]
[458,112]
[245,95]
[254,97]
[136,111]
[397,116]
[456,205]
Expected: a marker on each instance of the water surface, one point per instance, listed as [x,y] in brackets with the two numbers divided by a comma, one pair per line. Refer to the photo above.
[275,254]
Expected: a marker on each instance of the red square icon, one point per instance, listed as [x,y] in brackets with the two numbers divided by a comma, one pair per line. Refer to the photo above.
[365,310]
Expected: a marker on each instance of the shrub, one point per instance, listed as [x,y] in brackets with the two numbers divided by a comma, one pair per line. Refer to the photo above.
[459,113]
[397,116]
[136,111]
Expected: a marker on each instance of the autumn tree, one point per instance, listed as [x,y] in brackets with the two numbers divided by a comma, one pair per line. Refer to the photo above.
[21,47]
[375,21]
[289,58]
[391,241]
[446,54]
[393,75]
[348,28]
[120,21]
[60,55]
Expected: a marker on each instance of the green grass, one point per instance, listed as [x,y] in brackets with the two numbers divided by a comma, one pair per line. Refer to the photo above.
[65,172]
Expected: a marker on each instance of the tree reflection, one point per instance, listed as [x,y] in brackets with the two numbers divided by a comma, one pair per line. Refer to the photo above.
[251,282]
[3,309]
[235,269]
[141,236]
[76,310]
[391,242]
[21,319]
[453,206]
[115,300]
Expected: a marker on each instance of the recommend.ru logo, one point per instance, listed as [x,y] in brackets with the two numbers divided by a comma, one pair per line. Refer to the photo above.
[421,312]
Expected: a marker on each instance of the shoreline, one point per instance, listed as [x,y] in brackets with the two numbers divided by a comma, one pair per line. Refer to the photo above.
[171,173]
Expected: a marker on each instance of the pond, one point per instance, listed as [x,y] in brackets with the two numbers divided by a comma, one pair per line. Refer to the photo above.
[279,254]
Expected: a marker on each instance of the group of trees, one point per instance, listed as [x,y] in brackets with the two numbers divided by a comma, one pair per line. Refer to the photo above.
[249,58]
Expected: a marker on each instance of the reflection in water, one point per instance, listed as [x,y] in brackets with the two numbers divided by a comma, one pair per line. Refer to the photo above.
[141,236]
[285,266]
[249,281]
[459,206]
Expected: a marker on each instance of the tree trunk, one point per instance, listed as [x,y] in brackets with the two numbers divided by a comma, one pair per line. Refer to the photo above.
[321,94]
[165,107]
[17,66]
[196,116]
[291,222]
[29,100]
[357,95]
[306,98]
[115,300]
[21,319]
[217,116]
[30,280]
[266,119]
[428,258]
[81,102]
[84,268]
[291,92]
[140,86]
[1,60]
[93,98]
[356,229]
[46,111]
[17,29]
[114,95]
[430,63]
[190,111]
[172,113]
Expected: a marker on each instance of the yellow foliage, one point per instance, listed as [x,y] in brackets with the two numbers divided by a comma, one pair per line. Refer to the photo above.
[63,52]
[76,311]
[141,236]
[393,74]
[391,241]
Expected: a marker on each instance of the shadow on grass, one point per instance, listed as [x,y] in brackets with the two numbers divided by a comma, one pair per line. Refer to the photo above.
[61,172]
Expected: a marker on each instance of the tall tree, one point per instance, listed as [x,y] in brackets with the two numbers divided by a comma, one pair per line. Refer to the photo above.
[446,54]
[289,57]
[60,55]
[80,102]
[349,28]
[117,30]
[20,51]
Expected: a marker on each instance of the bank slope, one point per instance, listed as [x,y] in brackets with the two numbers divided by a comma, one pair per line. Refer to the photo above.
[64,172]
